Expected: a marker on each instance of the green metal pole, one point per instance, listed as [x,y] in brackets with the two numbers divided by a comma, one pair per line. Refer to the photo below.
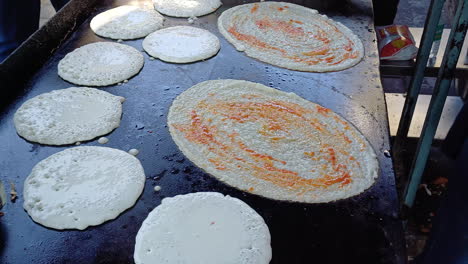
[444,78]
[432,20]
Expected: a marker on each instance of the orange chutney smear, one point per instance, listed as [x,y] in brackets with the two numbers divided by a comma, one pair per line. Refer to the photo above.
[252,40]
[304,60]
[201,135]
[255,154]
[254,8]
[218,164]
[295,21]
[349,141]
[322,110]
[320,51]
[278,25]
[320,34]
[275,116]
[321,54]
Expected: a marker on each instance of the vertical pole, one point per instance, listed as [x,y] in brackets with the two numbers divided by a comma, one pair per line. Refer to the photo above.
[432,20]
[444,78]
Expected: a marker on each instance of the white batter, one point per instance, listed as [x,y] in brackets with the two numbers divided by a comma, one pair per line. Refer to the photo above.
[133,152]
[100,64]
[181,44]
[186,8]
[103,140]
[68,116]
[82,186]
[126,22]
[203,228]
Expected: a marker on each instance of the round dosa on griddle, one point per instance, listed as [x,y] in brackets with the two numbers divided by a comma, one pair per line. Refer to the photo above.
[82,186]
[68,115]
[100,64]
[186,8]
[203,227]
[126,22]
[181,44]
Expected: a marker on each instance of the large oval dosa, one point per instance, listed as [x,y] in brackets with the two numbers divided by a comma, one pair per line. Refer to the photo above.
[291,36]
[271,143]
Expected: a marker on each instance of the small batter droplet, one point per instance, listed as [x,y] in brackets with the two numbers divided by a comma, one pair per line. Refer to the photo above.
[157,188]
[387,153]
[103,140]
[192,19]
[133,152]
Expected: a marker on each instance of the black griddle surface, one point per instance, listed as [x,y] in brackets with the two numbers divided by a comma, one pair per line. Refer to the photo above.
[362,229]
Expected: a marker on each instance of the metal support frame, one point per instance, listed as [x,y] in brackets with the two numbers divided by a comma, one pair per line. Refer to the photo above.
[432,20]
[444,78]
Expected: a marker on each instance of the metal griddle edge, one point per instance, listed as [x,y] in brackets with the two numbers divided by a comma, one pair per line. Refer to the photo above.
[362,229]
